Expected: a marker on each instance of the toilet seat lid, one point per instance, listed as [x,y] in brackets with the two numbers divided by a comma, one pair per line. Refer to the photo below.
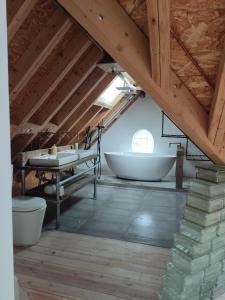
[26,203]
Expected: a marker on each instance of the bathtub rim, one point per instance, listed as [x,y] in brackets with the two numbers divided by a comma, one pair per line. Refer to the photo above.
[139,154]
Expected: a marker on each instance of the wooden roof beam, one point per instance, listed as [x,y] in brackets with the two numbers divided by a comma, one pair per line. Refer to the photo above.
[89,101]
[17,143]
[105,115]
[71,124]
[35,97]
[74,132]
[38,138]
[84,66]
[79,96]
[38,51]
[115,31]
[17,12]
[117,112]
[98,112]
[25,128]
[58,98]
[158,14]
[101,117]
[82,130]
[92,123]
[91,98]
[59,134]
[216,126]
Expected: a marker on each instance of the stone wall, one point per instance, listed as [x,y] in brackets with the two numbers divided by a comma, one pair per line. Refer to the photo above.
[196,270]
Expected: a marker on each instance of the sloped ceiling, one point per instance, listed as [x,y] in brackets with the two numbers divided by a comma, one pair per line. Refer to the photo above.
[175,50]
[54,79]
[197,39]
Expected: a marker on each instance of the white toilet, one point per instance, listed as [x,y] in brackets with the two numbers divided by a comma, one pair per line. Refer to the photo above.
[28,214]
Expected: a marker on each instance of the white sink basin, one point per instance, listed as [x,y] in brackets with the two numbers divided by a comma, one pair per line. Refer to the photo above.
[79,153]
[61,158]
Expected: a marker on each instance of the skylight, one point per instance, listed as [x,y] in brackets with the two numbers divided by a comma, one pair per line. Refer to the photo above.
[111,94]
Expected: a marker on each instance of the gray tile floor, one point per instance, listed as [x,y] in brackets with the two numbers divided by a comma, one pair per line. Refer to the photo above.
[167,183]
[131,214]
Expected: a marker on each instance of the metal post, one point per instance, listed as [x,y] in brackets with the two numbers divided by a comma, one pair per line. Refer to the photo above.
[23,182]
[95,180]
[57,200]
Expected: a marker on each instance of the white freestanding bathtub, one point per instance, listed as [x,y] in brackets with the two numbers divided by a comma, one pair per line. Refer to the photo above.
[139,166]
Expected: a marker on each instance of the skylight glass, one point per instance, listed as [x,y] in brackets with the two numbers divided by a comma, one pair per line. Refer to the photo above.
[111,93]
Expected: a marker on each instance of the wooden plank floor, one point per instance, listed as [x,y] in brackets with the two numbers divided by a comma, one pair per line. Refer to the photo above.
[72,266]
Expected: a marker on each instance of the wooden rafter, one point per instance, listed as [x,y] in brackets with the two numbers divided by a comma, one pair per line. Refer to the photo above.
[91,98]
[106,117]
[153,29]
[101,117]
[61,95]
[17,12]
[18,143]
[116,113]
[30,127]
[37,140]
[92,123]
[158,14]
[74,132]
[216,127]
[70,107]
[108,23]
[86,105]
[36,54]
[78,97]
[84,66]
[197,71]
[34,98]
[81,110]
[82,131]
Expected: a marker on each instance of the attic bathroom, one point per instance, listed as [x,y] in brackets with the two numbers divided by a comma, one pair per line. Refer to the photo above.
[112,126]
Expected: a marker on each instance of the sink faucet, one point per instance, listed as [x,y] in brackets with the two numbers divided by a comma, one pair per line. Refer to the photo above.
[178,144]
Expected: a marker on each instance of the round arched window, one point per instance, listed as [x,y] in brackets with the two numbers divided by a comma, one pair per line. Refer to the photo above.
[143,141]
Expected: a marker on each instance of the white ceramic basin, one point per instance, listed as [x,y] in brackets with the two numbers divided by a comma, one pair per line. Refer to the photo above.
[80,153]
[61,158]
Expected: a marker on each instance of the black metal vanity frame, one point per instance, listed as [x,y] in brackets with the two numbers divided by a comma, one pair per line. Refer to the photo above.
[70,184]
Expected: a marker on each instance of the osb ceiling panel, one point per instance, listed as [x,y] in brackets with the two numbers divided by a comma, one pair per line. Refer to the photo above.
[199,25]
[137,10]
[190,75]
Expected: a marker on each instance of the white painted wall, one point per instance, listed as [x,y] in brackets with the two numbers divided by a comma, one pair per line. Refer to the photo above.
[6,245]
[144,114]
